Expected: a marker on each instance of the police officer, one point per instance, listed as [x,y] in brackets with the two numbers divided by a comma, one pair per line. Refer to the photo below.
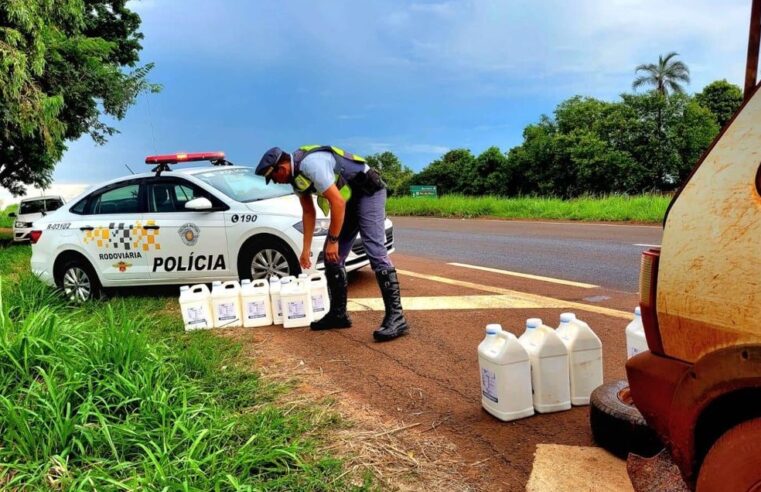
[355,196]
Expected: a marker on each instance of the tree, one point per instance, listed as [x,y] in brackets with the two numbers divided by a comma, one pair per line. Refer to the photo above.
[61,69]
[449,174]
[664,76]
[396,175]
[722,99]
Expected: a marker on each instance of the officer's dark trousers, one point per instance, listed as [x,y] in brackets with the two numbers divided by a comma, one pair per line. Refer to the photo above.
[367,215]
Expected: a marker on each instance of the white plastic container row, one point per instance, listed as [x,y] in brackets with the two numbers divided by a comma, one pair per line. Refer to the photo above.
[292,302]
[555,368]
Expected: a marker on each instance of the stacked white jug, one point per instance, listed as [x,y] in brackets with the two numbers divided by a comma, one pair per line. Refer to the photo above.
[636,341]
[584,357]
[277,307]
[196,307]
[294,296]
[505,375]
[318,287]
[255,303]
[549,367]
[225,303]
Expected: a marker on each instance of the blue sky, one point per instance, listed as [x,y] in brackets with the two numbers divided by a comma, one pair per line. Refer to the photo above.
[415,78]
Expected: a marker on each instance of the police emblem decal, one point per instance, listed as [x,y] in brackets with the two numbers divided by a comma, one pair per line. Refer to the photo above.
[189,234]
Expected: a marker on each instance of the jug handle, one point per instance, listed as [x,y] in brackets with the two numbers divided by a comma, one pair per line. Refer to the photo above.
[259,283]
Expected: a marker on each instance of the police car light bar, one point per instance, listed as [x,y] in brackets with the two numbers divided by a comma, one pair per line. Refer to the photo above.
[184,157]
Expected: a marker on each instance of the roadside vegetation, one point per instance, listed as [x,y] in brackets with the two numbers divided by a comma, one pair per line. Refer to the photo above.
[643,208]
[114,395]
[5,220]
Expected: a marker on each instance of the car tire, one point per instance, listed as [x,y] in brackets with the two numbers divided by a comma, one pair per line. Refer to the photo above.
[617,425]
[264,257]
[78,281]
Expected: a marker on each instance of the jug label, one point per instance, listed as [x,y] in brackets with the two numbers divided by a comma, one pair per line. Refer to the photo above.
[318,303]
[489,384]
[195,315]
[256,310]
[279,308]
[296,310]
[226,311]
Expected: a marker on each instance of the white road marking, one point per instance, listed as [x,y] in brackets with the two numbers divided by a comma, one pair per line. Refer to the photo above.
[540,301]
[440,303]
[526,275]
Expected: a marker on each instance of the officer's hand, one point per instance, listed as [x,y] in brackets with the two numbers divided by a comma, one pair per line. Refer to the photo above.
[304,260]
[331,252]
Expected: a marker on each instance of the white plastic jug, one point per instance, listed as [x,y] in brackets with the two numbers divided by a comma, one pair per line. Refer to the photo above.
[295,299]
[505,375]
[225,304]
[195,307]
[550,377]
[319,293]
[584,357]
[277,307]
[636,341]
[303,277]
[255,303]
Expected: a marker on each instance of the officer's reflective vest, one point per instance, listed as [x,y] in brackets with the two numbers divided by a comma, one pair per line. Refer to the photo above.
[348,165]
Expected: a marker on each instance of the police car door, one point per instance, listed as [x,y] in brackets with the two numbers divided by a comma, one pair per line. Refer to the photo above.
[111,232]
[193,242]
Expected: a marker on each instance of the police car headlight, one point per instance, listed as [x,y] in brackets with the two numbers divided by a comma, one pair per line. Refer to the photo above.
[23,225]
[320,227]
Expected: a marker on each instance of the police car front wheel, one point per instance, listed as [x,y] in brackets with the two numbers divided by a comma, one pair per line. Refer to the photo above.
[78,281]
[268,257]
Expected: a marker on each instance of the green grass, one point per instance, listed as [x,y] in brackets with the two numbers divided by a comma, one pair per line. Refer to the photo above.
[114,395]
[642,208]
[6,221]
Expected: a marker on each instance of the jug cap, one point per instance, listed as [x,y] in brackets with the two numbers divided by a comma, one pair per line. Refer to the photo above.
[274,279]
[286,280]
[184,288]
[245,281]
[637,311]
[493,328]
[533,323]
[567,317]
[216,283]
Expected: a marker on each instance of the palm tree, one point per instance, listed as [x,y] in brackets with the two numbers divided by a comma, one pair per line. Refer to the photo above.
[665,76]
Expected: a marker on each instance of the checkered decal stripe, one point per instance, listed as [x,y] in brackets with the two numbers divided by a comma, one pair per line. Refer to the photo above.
[126,237]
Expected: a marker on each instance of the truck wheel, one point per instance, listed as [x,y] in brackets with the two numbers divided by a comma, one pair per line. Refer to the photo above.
[732,461]
[617,425]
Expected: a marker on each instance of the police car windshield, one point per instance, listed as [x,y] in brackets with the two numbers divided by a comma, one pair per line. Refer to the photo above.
[241,184]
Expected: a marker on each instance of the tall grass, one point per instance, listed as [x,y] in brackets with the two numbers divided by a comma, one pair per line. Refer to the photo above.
[6,221]
[115,396]
[641,208]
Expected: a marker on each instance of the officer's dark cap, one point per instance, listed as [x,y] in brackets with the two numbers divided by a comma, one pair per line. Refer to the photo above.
[268,162]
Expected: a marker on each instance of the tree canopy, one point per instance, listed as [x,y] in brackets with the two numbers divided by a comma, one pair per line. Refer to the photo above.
[63,66]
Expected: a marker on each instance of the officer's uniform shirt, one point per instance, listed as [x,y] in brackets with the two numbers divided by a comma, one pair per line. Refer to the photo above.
[319,168]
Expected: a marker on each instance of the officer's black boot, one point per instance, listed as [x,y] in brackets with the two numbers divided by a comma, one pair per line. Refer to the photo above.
[393,324]
[336,317]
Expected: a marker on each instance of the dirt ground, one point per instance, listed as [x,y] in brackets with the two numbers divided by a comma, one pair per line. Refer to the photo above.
[416,400]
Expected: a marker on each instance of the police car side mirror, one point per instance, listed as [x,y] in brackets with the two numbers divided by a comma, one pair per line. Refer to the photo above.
[12,215]
[199,204]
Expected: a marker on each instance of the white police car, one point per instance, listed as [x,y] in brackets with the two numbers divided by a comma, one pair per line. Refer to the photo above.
[191,225]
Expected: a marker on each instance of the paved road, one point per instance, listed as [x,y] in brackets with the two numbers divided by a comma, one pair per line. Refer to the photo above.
[600,254]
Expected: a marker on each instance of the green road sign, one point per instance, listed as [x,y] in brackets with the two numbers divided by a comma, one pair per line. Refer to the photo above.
[416,190]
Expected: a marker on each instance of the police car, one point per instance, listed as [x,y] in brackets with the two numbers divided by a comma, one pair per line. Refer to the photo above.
[177,226]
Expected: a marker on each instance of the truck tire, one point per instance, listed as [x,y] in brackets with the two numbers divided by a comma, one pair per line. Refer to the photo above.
[732,461]
[617,425]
